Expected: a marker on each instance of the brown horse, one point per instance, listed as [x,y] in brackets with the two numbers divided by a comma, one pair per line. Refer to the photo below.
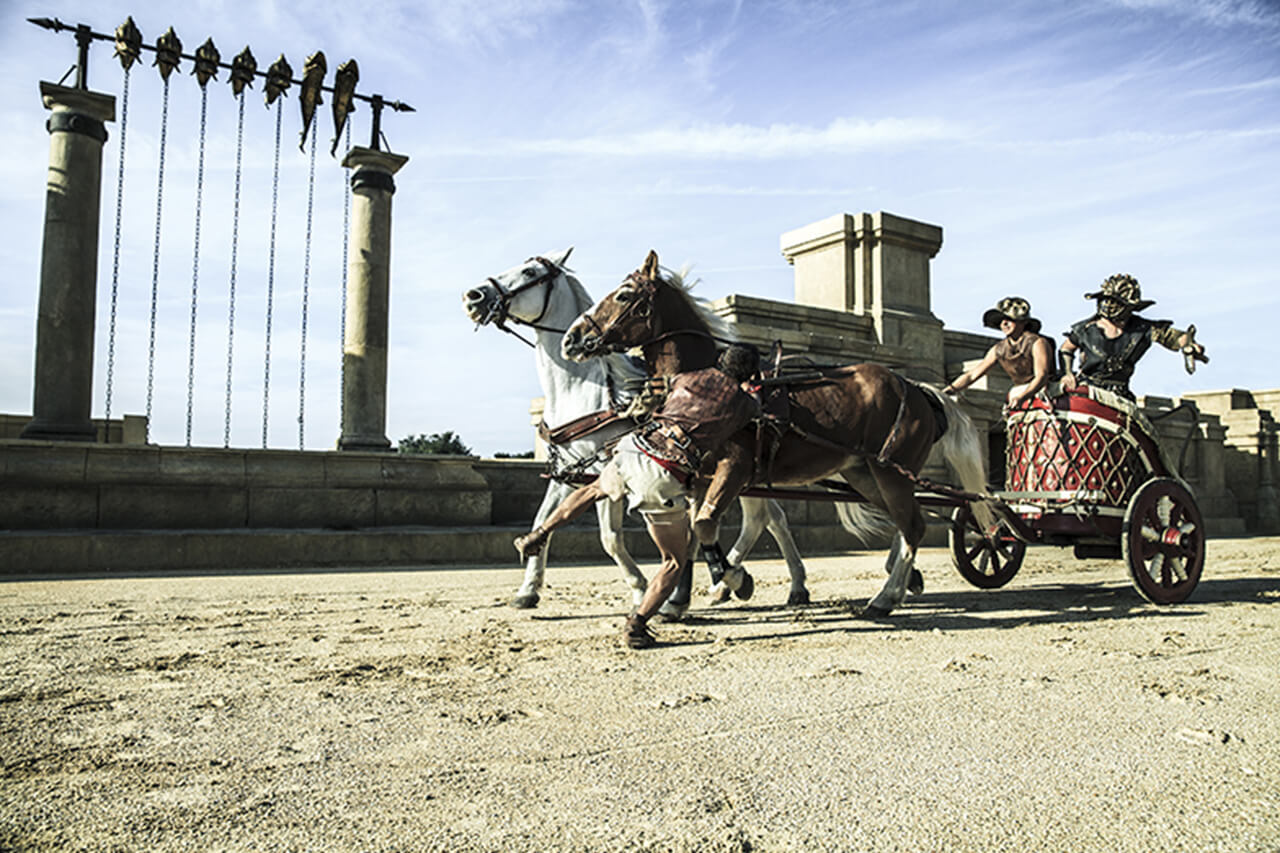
[862,422]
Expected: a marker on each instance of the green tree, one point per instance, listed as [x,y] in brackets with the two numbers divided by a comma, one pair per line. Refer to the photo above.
[438,443]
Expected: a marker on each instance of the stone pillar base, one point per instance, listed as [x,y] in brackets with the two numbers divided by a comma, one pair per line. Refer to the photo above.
[365,443]
[43,430]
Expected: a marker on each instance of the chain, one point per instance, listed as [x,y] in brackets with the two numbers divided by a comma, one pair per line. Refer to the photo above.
[231,297]
[342,331]
[306,281]
[115,257]
[155,264]
[195,264]
[271,275]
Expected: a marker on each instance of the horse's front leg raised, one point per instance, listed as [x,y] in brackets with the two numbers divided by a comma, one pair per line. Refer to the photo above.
[611,513]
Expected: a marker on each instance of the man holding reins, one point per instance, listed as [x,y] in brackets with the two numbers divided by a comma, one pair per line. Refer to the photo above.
[1024,354]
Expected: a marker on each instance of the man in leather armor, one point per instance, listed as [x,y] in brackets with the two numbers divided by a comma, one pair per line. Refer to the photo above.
[655,468]
[1115,337]
[1024,354]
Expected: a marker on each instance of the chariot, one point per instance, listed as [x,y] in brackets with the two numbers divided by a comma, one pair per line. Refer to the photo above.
[1085,471]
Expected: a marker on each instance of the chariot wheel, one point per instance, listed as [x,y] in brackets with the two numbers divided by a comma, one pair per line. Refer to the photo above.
[1162,541]
[985,563]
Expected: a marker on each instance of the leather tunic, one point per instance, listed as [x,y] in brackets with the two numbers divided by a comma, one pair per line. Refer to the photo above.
[703,410]
[1015,356]
[1109,362]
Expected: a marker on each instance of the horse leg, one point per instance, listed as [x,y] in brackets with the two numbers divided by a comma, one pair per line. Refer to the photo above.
[900,503]
[777,524]
[527,596]
[731,476]
[754,521]
[610,513]
[670,532]
[915,581]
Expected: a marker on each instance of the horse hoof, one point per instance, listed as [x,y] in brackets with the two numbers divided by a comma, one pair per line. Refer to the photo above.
[915,584]
[526,602]
[747,587]
[798,597]
[720,594]
[671,612]
[873,611]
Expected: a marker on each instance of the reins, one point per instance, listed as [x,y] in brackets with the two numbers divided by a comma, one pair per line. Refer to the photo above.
[500,313]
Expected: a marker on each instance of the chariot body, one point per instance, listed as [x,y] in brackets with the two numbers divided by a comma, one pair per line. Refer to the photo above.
[1084,470]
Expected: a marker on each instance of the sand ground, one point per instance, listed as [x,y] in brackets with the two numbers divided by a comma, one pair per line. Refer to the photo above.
[414,710]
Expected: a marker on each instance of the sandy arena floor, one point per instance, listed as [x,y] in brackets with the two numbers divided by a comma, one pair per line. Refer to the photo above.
[414,710]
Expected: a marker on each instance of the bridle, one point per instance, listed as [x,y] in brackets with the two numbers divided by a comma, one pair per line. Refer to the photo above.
[500,313]
[640,309]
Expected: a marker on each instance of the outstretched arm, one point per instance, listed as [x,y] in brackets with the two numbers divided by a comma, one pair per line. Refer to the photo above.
[973,374]
[1178,340]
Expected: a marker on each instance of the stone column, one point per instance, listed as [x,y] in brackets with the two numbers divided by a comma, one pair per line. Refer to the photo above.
[364,351]
[875,265]
[69,264]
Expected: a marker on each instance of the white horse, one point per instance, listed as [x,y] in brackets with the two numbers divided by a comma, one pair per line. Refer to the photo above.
[543,295]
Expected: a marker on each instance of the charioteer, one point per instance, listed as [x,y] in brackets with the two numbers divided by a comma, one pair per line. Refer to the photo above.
[1116,337]
[1024,353]
[656,466]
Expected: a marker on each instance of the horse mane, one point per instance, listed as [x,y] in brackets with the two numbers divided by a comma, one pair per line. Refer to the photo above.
[716,326]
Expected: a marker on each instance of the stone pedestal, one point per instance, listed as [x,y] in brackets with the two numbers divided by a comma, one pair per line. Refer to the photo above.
[874,265]
[364,359]
[69,265]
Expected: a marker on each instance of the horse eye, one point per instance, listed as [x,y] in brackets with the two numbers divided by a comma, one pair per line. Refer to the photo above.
[624,295]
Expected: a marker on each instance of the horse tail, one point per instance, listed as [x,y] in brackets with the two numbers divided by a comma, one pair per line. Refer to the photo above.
[961,448]
[865,522]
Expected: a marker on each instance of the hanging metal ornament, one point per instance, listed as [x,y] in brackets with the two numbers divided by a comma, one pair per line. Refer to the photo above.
[344,90]
[168,53]
[207,58]
[128,43]
[243,69]
[312,79]
[279,79]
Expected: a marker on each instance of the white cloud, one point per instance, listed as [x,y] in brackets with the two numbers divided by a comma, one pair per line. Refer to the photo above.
[736,140]
[1220,13]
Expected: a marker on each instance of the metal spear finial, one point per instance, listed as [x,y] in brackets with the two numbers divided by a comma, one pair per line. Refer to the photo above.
[312,80]
[128,43]
[243,69]
[344,88]
[168,53]
[207,58]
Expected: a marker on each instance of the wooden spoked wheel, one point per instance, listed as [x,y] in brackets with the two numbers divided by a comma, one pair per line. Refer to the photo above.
[987,563]
[1162,541]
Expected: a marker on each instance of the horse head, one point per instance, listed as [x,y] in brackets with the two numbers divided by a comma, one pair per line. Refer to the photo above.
[627,317]
[521,294]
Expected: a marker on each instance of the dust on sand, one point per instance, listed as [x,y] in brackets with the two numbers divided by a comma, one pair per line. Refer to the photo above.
[414,710]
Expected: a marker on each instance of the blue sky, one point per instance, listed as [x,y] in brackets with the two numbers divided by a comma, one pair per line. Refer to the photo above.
[1054,143]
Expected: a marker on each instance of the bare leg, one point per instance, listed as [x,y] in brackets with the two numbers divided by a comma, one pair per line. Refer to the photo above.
[569,509]
[535,564]
[671,535]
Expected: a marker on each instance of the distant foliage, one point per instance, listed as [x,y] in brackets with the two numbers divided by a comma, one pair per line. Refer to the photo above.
[438,443]
[528,454]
